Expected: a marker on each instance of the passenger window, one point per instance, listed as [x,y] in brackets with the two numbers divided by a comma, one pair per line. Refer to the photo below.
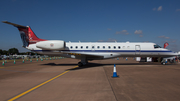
[98,47]
[71,47]
[109,47]
[93,47]
[81,47]
[86,47]
[114,47]
[119,47]
[103,47]
[76,47]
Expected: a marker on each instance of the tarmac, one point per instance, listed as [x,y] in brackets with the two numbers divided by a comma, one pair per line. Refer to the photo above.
[63,80]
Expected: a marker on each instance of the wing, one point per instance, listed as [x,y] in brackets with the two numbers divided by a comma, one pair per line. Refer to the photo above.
[88,55]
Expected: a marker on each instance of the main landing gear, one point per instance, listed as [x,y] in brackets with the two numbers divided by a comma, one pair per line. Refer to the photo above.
[80,64]
[83,62]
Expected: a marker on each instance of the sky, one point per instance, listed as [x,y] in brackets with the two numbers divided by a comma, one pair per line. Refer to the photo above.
[155,21]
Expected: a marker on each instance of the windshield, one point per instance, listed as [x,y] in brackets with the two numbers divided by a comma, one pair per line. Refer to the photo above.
[157,46]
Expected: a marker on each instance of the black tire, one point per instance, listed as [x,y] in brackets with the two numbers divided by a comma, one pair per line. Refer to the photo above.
[80,64]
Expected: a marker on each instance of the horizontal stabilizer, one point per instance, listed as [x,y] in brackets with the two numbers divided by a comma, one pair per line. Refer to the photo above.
[16,25]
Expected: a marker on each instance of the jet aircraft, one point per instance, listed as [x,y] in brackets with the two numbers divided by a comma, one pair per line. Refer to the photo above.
[86,51]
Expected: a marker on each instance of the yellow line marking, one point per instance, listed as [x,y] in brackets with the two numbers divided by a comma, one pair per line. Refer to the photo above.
[16,97]
[75,66]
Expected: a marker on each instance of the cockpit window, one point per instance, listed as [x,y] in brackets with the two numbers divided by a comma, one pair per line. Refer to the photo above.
[157,46]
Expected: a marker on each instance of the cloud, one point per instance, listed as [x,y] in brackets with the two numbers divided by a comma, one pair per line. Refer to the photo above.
[154,9]
[122,32]
[163,37]
[109,29]
[177,10]
[138,32]
[159,8]
[172,41]
[109,40]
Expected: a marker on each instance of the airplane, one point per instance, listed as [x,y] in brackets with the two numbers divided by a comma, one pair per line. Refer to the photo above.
[87,51]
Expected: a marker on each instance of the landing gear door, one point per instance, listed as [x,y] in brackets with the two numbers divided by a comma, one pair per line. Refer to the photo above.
[137,50]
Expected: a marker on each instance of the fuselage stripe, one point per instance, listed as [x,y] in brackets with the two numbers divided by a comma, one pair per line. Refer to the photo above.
[102,51]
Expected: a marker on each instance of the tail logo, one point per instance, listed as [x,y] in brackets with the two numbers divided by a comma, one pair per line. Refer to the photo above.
[30,37]
[25,39]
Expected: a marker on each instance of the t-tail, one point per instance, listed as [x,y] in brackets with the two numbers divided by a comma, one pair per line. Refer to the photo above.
[26,33]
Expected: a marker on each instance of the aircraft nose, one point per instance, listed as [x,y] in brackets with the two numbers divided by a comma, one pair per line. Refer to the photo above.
[175,53]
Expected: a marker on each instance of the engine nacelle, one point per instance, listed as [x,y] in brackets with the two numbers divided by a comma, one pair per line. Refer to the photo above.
[51,45]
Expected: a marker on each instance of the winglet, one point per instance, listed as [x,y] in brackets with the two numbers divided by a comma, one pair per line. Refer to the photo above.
[16,25]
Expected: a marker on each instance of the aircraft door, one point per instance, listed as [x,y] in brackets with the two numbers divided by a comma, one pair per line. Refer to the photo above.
[137,49]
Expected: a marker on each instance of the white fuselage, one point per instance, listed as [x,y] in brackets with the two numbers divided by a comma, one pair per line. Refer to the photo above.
[89,50]
[103,50]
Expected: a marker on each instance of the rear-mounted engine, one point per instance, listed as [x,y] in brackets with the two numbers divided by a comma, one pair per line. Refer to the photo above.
[51,45]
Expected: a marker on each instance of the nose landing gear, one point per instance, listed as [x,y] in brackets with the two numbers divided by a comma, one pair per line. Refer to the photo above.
[164,62]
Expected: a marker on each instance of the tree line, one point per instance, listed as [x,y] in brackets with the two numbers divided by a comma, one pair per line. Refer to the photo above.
[13,51]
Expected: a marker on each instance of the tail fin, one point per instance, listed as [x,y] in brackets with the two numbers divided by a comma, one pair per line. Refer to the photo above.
[27,35]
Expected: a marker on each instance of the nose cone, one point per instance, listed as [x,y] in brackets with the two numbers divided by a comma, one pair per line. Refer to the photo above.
[176,54]
[170,53]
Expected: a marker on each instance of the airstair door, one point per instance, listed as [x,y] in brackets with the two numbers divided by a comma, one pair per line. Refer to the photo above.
[137,50]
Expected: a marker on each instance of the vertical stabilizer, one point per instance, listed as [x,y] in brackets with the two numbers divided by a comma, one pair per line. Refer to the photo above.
[26,33]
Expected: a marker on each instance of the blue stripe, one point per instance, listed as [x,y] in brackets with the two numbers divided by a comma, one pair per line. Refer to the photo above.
[104,51]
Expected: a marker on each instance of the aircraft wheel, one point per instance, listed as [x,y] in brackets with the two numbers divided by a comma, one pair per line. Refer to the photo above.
[80,64]
[163,63]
